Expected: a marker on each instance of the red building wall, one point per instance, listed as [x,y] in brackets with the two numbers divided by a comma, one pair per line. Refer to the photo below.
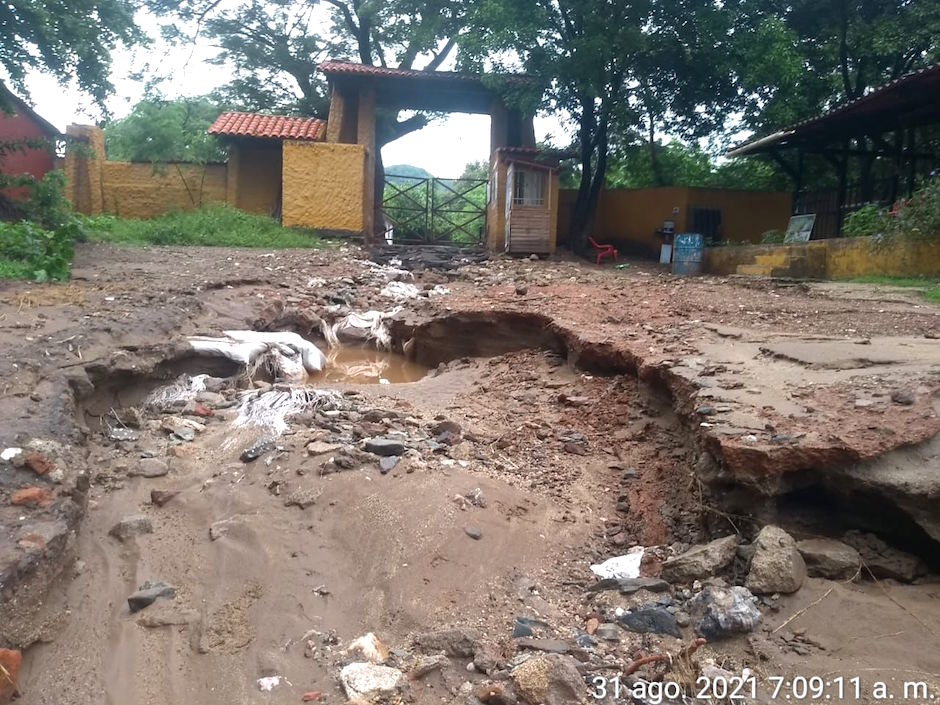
[33,161]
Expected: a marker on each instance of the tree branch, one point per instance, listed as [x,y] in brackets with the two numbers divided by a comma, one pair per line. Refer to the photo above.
[439,57]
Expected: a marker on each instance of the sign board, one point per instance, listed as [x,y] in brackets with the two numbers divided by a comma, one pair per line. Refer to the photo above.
[800,228]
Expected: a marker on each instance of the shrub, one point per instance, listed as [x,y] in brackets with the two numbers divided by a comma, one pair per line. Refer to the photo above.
[772,237]
[866,221]
[213,225]
[919,217]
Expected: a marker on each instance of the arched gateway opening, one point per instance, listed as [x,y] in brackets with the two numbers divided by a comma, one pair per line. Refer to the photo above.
[331,175]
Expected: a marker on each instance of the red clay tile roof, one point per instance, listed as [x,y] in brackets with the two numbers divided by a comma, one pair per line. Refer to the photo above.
[351,69]
[268,127]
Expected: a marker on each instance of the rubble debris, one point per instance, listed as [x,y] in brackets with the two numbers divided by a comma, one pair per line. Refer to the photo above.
[161,497]
[428,664]
[458,643]
[777,565]
[718,612]
[384,446]
[10,662]
[256,450]
[628,586]
[473,532]
[651,620]
[148,593]
[131,526]
[549,679]
[828,558]
[369,680]
[150,468]
[883,561]
[700,562]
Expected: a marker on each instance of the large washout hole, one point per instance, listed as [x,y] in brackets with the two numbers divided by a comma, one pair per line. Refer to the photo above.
[362,365]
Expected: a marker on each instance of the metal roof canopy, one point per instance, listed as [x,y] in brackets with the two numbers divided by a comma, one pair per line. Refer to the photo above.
[910,102]
[434,91]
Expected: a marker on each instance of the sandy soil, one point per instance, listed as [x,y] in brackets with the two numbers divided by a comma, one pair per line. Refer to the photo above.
[577,463]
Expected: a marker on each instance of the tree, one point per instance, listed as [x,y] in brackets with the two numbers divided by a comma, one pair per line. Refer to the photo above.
[617,67]
[275,46]
[159,130]
[797,58]
[70,39]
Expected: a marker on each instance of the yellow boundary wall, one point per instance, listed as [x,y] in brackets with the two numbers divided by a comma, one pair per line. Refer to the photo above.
[843,258]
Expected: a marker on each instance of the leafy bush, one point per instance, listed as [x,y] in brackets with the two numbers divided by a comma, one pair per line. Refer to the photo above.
[28,251]
[40,246]
[866,221]
[919,217]
[772,237]
[215,225]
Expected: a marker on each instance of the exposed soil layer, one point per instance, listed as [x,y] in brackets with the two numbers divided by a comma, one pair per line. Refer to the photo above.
[593,410]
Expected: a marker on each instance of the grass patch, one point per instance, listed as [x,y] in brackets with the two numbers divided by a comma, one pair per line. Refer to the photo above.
[929,286]
[211,226]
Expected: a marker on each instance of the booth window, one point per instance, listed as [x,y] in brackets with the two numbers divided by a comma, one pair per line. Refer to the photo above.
[529,188]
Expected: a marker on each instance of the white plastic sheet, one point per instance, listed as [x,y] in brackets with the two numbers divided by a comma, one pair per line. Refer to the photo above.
[286,355]
[621,567]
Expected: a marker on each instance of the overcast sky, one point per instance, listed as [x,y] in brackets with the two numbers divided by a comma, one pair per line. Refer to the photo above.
[443,148]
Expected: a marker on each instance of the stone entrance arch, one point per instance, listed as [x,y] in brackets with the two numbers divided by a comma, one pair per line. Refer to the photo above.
[357,91]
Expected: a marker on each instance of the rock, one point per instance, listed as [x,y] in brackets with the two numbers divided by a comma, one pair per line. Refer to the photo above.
[474,533]
[368,680]
[555,646]
[608,631]
[521,290]
[311,696]
[130,526]
[453,642]
[884,561]
[31,497]
[426,664]
[903,397]
[303,498]
[385,447]
[161,497]
[10,660]
[682,618]
[628,586]
[526,626]
[321,447]
[167,615]
[718,612]
[387,464]
[219,529]
[700,561]
[151,467]
[476,498]
[550,679]
[38,463]
[777,565]
[442,427]
[263,446]
[651,620]
[370,647]
[828,558]
[148,593]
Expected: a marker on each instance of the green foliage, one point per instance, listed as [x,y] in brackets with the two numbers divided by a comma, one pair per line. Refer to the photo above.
[866,221]
[919,217]
[214,226]
[28,251]
[773,237]
[166,131]
[70,39]
[679,164]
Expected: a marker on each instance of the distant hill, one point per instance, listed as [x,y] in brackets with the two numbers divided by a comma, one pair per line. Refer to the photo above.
[405,170]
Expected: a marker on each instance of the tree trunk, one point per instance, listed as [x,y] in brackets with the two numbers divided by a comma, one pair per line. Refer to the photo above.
[580,214]
[655,165]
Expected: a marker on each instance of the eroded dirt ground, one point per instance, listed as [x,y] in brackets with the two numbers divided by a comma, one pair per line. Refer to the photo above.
[568,414]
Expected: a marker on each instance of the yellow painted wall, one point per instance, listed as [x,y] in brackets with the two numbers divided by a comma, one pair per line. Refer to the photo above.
[143,191]
[83,169]
[843,258]
[323,186]
[257,181]
[629,218]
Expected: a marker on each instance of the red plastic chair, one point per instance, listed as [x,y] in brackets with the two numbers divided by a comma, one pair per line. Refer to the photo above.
[603,251]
